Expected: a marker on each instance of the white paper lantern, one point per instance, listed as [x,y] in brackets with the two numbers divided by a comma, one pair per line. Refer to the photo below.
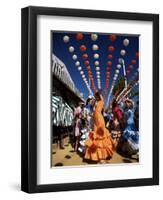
[116,75]
[79,68]
[126,42]
[117,71]
[77,63]
[98,72]
[98,76]
[97,68]
[71,49]
[83,76]
[114,78]
[120,60]
[95,47]
[96,56]
[81,72]
[66,38]
[74,57]
[123,52]
[94,36]
[97,63]
[118,66]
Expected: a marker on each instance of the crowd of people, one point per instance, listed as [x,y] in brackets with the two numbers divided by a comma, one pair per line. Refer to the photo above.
[98,133]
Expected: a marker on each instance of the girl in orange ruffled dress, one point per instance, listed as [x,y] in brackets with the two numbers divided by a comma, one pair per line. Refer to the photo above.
[99,145]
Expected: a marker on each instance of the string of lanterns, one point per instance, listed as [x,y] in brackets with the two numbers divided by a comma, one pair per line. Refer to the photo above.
[111,49]
[96,56]
[85,57]
[71,49]
[132,64]
[119,65]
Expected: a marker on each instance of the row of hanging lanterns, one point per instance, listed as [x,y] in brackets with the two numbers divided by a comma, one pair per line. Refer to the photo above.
[111,49]
[71,49]
[119,65]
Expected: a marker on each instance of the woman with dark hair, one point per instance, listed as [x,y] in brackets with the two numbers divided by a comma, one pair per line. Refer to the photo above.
[99,145]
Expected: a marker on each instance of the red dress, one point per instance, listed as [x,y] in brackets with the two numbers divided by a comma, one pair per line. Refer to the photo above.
[99,145]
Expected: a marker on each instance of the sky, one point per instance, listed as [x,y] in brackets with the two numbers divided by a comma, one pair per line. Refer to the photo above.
[61,50]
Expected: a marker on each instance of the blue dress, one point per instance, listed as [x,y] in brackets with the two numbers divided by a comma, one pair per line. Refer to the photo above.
[130,133]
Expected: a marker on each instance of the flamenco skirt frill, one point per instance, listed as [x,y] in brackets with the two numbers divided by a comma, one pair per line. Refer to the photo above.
[99,147]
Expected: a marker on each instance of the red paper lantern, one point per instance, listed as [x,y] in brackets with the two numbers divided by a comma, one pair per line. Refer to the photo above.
[110,56]
[109,63]
[108,73]
[85,56]
[137,54]
[83,48]
[86,62]
[88,68]
[112,37]
[133,62]
[89,72]
[108,68]
[79,36]
[111,48]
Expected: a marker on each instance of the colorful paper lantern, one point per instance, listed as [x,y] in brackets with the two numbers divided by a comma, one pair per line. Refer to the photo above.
[77,63]
[96,63]
[74,57]
[123,52]
[66,38]
[83,48]
[110,56]
[94,36]
[133,62]
[112,37]
[95,47]
[71,49]
[96,56]
[86,63]
[85,56]
[111,48]
[120,60]
[79,36]
[88,68]
[79,68]
[108,68]
[118,66]
[109,63]
[137,54]
[125,42]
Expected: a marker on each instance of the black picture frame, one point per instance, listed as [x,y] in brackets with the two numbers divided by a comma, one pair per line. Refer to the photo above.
[29,99]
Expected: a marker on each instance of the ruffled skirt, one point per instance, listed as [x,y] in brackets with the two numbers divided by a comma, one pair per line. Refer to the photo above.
[99,147]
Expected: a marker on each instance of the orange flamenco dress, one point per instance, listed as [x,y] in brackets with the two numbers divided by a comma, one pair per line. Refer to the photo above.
[99,145]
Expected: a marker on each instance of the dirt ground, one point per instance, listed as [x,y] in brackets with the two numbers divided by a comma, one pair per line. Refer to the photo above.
[67,157]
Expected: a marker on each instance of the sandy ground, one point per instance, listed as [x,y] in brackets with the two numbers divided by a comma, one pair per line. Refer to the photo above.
[67,157]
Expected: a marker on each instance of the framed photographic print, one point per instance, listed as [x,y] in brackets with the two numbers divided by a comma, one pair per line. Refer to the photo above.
[90,99]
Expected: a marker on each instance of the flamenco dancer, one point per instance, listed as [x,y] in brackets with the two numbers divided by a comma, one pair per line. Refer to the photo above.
[99,145]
